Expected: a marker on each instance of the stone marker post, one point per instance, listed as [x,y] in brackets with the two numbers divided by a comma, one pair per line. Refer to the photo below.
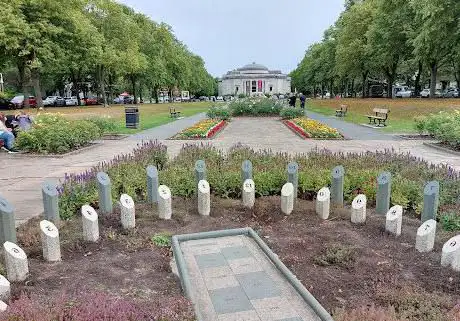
[200,171]
[246,170]
[451,252]
[17,267]
[430,201]
[5,288]
[323,203]
[249,193]
[105,193]
[393,222]
[50,202]
[128,212]
[383,193]
[426,233]
[50,241]
[152,184]
[358,209]
[337,186]
[204,198]
[7,222]
[164,202]
[287,198]
[293,176]
[3,306]
[90,222]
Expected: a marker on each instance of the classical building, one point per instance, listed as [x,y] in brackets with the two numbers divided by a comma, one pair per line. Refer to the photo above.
[254,79]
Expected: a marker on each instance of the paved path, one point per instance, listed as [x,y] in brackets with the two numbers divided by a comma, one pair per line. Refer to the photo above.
[233,280]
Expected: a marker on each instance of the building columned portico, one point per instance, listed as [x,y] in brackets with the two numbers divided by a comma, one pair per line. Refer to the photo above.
[252,80]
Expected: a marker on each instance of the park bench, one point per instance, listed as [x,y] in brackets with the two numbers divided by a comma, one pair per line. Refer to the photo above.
[342,112]
[381,115]
[173,112]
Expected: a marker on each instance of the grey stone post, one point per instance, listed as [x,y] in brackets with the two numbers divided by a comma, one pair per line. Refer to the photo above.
[246,170]
[337,186]
[293,176]
[105,193]
[7,222]
[152,184]
[50,202]
[383,193]
[200,171]
[430,201]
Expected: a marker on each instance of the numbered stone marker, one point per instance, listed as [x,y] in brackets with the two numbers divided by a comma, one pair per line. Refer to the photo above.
[128,212]
[50,202]
[337,186]
[105,193]
[425,238]
[430,201]
[249,193]
[50,241]
[90,223]
[200,170]
[383,193]
[164,202]
[358,209]
[323,203]
[293,176]
[5,288]
[3,306]
[152,184]
[451,252]
[17,267]
[393,222]
[287,198]
[204,198]
[7,222]
[246,170]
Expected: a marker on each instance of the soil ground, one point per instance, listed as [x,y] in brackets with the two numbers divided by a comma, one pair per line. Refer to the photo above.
[342,265]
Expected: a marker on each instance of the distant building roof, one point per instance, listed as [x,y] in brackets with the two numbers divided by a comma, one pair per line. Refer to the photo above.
[253,66]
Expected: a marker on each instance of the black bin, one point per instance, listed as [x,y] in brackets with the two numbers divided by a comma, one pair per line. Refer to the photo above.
[132,117]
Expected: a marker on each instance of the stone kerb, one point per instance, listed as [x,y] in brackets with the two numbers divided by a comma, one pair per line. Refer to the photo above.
[152,184]
[393,223]
[90,224]
[249,193]
[358,209]
[287,198]
[7,222]
[451,253]
[17,266]
[50,241]
[50,202]
[164,202]
[323,201]
[425,238]
[128,212]
[204,198]
[5,288]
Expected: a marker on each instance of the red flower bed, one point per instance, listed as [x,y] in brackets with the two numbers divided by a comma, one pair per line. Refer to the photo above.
[213,131]
[297,129]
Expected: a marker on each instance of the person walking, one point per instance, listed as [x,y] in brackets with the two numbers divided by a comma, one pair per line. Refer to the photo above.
[302,101]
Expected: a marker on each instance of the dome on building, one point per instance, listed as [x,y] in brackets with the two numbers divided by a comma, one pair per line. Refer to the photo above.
[253,66]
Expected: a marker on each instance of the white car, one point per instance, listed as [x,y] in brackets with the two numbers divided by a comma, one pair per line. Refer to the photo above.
[405,92]
[50,100]
[177,100]
[219,98]
[71,101]
[425,93]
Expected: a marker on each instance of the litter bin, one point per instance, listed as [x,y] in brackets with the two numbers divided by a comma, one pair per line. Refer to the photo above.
[132,117]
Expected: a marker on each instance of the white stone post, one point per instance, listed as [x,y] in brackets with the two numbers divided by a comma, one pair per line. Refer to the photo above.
[358,209]
[323,203]
[90,223]
[249,193]
[393,222]
[426,233]
[164,202]
[50,241]
[3,306]
[5,288]
[17,267]
[287,198]
[451,252]
[204,198]
[128,212]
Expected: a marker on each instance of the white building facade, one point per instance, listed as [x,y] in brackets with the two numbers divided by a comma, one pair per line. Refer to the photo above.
[254,79]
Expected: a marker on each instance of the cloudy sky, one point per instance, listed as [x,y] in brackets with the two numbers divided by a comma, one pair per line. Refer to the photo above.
[231,33]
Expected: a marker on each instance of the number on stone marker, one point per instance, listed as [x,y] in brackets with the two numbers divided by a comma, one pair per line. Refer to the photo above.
[426,227]
[89,212]
[15,250]
[321,194]
[453,243]
[49,228]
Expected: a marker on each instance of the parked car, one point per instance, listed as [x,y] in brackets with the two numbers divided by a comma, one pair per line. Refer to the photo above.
[6,104]
[403,92]
[451,93]
[119,100]
[55,101]
[177,99]
[376,91]
[204,98]
[18,101]
[128,100]
[71,101]
[425,93]
[90,101]
[219,98]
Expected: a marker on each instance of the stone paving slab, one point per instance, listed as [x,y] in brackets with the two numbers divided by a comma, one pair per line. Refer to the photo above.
[237,281]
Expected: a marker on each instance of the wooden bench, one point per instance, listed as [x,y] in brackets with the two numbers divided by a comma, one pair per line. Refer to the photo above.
[342,112]
[173,112]
[381,115]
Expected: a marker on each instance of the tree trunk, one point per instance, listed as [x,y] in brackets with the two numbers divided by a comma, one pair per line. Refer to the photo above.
[352,88]
[24,82]
[101,76]
[133,83]
[332,87]
[364,74]
[35,75]
[155,93]
[417,79]
[434,72]
[140,91]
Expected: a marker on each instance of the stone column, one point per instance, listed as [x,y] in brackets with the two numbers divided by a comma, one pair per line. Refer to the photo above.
[204,198]
[451,253]
[293,176]
[7,222]
[287,198]
[249,193]
[152,184]
[200,171]
[430,201]
[105,193]
[50,241]
[17,266]
[358,209]
[246,170]
[337,186]
[323,200]
[393,222]
[128,212]
[425,238]
[164,202]
[90,223]
[383,193]
[50,202]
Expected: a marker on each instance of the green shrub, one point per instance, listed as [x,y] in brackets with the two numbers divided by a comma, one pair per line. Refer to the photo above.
[161,239]
[291,113]
[105,124]
[450,221]
[255,107]
[444,126]
[218,112]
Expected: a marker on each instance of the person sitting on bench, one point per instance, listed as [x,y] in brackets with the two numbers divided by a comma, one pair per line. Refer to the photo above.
[6,135]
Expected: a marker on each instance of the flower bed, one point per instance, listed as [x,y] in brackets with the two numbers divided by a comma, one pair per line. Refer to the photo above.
[206,128]
[309,128]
